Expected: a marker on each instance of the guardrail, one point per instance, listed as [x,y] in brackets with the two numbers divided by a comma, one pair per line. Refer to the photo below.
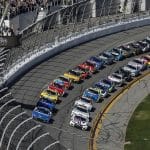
[98,118]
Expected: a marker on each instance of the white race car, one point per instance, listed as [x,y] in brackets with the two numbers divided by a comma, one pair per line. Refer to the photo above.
[84,101]
[138,62]
[81,111]
[135,71]
[79,121]
[117,79]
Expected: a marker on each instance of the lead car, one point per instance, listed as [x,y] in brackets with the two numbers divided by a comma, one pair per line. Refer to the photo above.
[79,121]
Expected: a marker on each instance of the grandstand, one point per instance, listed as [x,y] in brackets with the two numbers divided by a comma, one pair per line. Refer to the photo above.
[61,20]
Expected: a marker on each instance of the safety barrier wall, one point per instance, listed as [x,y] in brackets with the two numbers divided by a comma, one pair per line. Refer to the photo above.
[31,60]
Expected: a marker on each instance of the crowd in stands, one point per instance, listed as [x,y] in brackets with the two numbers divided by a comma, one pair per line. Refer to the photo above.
[22,6]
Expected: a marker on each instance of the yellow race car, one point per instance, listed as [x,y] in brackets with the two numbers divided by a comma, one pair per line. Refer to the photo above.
[73,76]
[51,95]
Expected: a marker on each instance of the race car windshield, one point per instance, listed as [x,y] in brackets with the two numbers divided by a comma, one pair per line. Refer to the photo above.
[75,73]
[89,63]
[58,85]
[43,110]
[93,91]
[82,109]
[95,59]
[51,92]
[115,50]
[137,61]
[86,100]
[116,76]
[63,79]
[132,67]
[107,81]
[106,55]
[80,118]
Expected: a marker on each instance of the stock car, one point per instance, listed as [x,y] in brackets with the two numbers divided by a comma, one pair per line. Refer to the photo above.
[135,71]
[145,47]
[107,57]
[84,75]
[51,95]
[99,62]
[136,48]
[79,121]
[93,93]
[81,110]
[64,80]
[46,103]
[72,75]
[117,79]
[103,89]
[42,113]
[86,71]
[126,51]
[84,101]
[89,66]
[125,74]
[146,59]
[138,62]
[58,88]
[117,53]
[107,84]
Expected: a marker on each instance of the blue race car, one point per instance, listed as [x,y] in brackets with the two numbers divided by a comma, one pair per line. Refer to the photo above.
[92,93]
[104,89]
[99,62]
[42,113]
[46,103]
[107,84]
[117,53]
[107,57]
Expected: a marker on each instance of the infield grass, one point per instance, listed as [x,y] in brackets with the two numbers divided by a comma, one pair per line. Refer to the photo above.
[138,131]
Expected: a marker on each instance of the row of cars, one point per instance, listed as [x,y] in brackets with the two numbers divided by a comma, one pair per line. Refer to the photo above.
[80,115]
[60,86]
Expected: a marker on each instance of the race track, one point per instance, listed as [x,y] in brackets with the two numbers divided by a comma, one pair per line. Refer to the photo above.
[27,89]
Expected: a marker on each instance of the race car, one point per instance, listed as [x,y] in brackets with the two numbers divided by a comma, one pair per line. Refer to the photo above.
[107,57]
[46,103]
[85,70]
[136,48]
[135,71]
[103,89]
[63,80]
[72,75]
[89,66]
[57,87]
[145,46]
[99,62]
[79,121]
[92,93]
[146,59]
[42,113]
[84,101]
[117,53]
[126,51]
[117,79]
[51,95]
[107,84]
[81,110]
[125,74]
[138,62]
[84,75]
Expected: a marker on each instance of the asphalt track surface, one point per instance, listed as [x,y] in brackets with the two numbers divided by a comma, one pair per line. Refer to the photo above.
[113,131]
[27,89]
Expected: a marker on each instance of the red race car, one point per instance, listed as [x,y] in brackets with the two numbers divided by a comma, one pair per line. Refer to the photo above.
[58,88]
[89,66]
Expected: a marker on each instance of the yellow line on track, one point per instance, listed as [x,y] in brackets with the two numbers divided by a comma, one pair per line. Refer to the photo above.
[98,121]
